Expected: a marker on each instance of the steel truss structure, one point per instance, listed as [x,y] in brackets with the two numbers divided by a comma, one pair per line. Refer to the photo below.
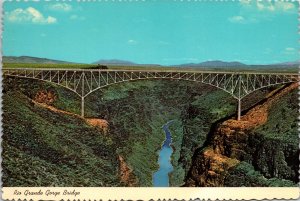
[85,81]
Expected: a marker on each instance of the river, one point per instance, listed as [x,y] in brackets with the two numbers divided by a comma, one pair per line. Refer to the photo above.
[161,177]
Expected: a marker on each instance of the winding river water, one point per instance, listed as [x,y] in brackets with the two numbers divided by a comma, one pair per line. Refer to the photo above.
[161,177]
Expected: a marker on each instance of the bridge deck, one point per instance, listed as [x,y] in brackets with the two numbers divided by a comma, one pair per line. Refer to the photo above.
[157,71]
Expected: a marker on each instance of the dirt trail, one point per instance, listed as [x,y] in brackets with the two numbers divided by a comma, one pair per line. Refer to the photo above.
[44,99]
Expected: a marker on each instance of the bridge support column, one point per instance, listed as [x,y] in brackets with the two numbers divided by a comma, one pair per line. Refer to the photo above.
[82,106]
[239,110]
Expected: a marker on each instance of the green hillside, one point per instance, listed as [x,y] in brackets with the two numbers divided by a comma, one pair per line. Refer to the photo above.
[42,148]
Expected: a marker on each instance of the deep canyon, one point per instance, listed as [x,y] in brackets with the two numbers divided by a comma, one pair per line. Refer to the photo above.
[117,142]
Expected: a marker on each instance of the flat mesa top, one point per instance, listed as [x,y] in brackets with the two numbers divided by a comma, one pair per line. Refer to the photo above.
[157,71]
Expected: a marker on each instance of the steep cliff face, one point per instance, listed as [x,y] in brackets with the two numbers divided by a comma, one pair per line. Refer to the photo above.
[263,151]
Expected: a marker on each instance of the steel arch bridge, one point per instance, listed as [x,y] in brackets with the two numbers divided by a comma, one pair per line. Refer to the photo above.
[85,81]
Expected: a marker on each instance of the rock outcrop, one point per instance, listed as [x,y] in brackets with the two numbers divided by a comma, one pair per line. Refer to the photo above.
[233,141]
[126,173]
[101,124]
[45,96]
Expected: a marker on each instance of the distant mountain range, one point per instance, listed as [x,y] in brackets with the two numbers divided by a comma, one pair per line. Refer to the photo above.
[28,59]
[117,62]
[206,64]
[288,63]
[215,63]
[114,62]
[224,64]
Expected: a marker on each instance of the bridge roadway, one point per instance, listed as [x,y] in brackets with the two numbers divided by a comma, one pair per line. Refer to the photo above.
[154,70]
[85,81]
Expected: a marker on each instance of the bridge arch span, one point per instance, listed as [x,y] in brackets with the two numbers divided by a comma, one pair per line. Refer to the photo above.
[133,80]
[215,86]
[47,81]
[229,92]
[85,81]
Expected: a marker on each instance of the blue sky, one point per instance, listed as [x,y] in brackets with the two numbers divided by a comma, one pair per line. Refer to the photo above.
[160,32]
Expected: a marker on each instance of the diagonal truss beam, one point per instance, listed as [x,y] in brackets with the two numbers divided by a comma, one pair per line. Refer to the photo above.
[85,81]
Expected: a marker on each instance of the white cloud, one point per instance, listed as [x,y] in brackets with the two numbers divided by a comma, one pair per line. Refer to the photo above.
[29,15]
[272,6]
[245,2]
[76,17]
[285,5]
[265,5]
[242,20]
[60,7]
[253,11]
[132,42]
[237,19]
[289,50]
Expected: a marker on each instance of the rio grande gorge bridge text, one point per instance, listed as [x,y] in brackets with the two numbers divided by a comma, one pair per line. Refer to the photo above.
[85,81]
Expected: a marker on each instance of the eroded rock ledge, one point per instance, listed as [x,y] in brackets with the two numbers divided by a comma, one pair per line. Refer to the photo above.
[232,142]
